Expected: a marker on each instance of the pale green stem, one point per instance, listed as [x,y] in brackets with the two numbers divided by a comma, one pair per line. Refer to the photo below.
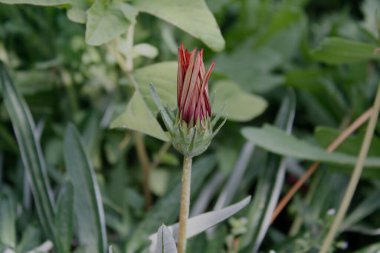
[354,178]
[185,204]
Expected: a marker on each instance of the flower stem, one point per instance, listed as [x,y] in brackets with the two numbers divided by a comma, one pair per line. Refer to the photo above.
[185,204]
[355,176]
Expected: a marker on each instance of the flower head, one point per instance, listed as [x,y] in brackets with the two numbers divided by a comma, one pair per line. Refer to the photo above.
[192,87]
[192,130]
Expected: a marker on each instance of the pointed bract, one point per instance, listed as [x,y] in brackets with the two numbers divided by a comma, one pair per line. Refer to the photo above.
[192,86]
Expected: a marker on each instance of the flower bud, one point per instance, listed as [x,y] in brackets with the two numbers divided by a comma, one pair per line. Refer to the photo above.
[191,130]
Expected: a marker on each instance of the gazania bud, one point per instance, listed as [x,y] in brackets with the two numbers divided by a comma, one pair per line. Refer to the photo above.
[192,87]
[191,130]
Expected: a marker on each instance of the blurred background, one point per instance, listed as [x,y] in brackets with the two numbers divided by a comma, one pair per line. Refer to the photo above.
[273,52]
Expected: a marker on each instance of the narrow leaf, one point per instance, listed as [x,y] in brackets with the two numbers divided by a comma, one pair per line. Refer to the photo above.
[368,206]
[202,222]
[30,150]
[166,210]
[7,221]
[270,183]
[277,141]
[64,217]
[87,203]
[165,242]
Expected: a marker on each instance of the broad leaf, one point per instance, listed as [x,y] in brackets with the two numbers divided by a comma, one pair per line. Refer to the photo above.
[338,51]
[238,104]
[87,203]
[139,117]
[77,12]
[250,75]
[165,241]
[107,20]
[163,76]
[193,17]
[277,141]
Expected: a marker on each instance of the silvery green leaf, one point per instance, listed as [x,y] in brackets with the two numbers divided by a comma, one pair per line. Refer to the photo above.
[200,223]
[165,241]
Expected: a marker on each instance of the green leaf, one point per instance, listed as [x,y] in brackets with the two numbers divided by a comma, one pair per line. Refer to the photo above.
[163,76]
[270,182]
[204,221]
[368,206]
[166,243]
[351,145]
[7,221]
[107,20]
[239,105]
[77,12]
[64,217]
[30,150]
[193,17]
[370,10]
[37,2]
[337,51]
[87,203]
[250,75]
[277,141]
[166,210]
[373,248]
[138,116]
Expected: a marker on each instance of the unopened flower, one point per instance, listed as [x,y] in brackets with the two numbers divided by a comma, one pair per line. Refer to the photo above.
[191,130]
[192,87]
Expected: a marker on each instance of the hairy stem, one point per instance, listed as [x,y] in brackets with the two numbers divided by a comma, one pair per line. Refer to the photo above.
[355,176]
[185,204]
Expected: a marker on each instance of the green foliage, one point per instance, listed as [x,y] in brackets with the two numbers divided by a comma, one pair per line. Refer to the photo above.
[88,203]
[270,183]
[31,153]
[107,20]
[193,17]
[338,51]
[138,117]
[64,216]
[37,2]
[279,142]
[235,104]
[89,64]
